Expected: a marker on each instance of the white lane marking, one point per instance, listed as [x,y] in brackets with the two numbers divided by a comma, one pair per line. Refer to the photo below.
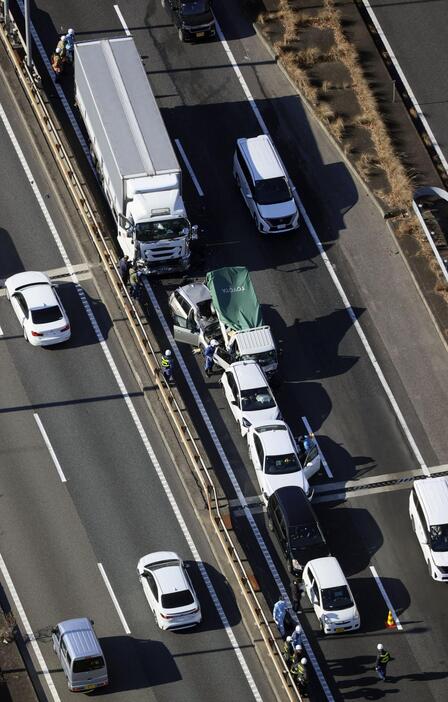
[1,331]
[404,477]
[125,394]
[363,492]
[252,500]
[322,457]
[121,18]
[50,447]
[189,168]
[239,493]
[114,598]
[57,87]
[385,597]
[28,630]
[404,80]
[330,270]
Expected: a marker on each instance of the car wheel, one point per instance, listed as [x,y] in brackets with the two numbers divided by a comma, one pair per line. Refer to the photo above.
[429,569]
[7,294]
[181,34]
[237,181]
[413,524]
[270,524]
[321,626]
[25,335]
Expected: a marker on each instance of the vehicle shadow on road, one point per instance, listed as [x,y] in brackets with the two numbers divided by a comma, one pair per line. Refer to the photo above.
[137,663]
[210,617]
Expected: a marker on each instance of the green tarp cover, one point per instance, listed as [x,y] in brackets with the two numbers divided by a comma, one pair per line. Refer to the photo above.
[234,298]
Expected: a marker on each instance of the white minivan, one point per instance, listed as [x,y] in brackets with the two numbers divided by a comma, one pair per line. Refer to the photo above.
[428,510]
[78,649]
[265,185]
[329,593]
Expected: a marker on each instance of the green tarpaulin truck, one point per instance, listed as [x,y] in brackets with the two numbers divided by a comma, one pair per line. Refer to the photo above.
[225,308]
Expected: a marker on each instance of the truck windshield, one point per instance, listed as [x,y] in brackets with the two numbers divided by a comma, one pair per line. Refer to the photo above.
[264,359]
[158,231]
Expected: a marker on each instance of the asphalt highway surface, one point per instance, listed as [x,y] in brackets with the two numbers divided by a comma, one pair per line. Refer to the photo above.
[376,402]
[417,33]
[76,519]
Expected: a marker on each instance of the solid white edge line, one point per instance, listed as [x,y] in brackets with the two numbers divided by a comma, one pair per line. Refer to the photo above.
[189,168]
[28,630]
[151,454]
[404,80]
[49,447]
[385,597]
[114,599]
[330,270]
[322,457]
[121,18]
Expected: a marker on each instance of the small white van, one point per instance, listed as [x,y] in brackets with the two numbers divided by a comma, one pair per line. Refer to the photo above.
[328,591]
[428,510]
[79,651]
[265,185]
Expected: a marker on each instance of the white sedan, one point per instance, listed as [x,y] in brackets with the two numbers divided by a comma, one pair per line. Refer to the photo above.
[169,591]
[248,393]
[38,308]
[273,452]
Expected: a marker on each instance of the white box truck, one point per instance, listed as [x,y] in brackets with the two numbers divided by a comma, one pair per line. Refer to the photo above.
[132,152]
[226,309]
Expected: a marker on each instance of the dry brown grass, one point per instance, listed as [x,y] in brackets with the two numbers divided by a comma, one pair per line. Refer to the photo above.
[337,128]
[308,57]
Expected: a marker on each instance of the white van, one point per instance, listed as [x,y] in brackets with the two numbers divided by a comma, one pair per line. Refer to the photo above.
[428,510]
[79,651]
[265,185]
[329,593]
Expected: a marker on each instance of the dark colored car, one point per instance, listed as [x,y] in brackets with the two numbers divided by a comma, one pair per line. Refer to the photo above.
[292,519]
[193,18]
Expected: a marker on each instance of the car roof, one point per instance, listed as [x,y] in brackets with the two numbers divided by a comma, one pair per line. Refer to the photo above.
[259,151]
[328,572]
[196,292]
[80,638]
[249,374]
[39,295]
[294,504]
[433,494]
[171,578]
[277,441]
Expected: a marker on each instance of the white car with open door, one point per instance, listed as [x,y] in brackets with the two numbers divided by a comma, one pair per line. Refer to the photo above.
[38,308]
[273,452]
[169,591]
[329,593]
[249,396]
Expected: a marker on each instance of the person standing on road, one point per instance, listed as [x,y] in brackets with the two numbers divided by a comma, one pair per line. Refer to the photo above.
[297,636]
[134,281]
[279,614]
[167,366]
[124,267]
[296,594]
[209,354]
[288,651]
[382,659]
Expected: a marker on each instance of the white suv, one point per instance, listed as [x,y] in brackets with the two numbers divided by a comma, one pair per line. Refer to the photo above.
[273,452]
[248,393]
[428,510]
[329,593]
[265,185]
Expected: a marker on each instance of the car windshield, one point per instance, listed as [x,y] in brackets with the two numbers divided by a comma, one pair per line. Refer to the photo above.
[439,537]
[305,535]
[182,598]
[83,665]
[336,598]
[256,399]
[45,315]
[158,231]
[272,191]
[279,465]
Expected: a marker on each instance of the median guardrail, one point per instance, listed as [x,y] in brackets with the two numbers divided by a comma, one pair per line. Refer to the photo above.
[31,83]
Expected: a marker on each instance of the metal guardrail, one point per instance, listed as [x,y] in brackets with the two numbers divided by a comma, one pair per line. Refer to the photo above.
[31,82]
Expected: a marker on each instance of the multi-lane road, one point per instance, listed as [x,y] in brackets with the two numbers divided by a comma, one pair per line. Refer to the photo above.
[370,383]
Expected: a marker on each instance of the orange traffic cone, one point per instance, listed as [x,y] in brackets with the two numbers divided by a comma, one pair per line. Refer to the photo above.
[390,622]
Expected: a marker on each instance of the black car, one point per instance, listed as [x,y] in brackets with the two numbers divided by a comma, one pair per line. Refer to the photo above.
[292,519]
[193,18]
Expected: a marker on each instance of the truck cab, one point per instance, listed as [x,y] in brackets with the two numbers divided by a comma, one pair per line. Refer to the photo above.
[193,18]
